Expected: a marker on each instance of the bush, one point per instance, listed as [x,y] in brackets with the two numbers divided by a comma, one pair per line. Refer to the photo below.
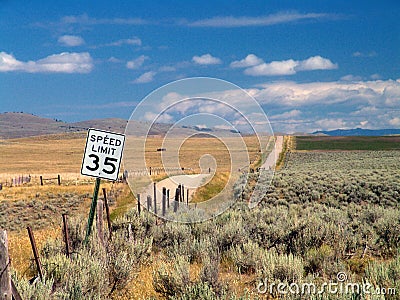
[246,257]
[172,279]
[281,267]
[37,291]
[384,274]
[209,273]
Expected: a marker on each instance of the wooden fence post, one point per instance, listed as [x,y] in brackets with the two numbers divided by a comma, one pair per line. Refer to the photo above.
[16,295]
[107,213]
[138,203]
[100,223]
[41,180]
[155,205]
[35,252]
[168,198]
[164,195]
[155,197]
[176,202]
[148,202]
[66,235]
[179,193]
[59,179]
[5,274]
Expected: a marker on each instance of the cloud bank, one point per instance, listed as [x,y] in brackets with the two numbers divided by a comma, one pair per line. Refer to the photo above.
[206,59]
[66,62]
[268,20]
[255,66]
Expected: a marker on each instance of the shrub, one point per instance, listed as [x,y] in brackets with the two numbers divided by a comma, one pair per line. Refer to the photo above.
[37,291]
[172,279]
[209,273]
[281,267]
[384,274]
[198,291]
[246,257]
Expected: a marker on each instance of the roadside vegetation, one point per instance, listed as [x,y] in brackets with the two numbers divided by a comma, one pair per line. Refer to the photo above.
[326,212]
[348,143]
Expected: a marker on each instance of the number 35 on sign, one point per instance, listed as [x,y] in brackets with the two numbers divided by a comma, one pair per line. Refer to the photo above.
[103,151]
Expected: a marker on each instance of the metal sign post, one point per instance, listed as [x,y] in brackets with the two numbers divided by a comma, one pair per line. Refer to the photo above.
[102,159]
[92,210]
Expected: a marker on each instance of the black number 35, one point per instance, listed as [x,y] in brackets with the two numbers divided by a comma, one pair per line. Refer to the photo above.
[108,162]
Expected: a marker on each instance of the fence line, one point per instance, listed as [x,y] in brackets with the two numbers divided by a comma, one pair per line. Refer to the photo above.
[156,171]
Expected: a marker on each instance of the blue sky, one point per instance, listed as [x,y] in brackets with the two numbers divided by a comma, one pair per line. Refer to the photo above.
[310,64]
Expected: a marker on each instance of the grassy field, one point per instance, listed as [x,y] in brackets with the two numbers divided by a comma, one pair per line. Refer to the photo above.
[348,142]
[41,207]
[56,154]
[192,149]
[326,212]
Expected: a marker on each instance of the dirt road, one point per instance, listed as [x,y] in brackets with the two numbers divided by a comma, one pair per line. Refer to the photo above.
[191,182]
[273,156]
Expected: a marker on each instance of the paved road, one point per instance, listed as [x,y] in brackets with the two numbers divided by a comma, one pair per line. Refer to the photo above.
[273,156]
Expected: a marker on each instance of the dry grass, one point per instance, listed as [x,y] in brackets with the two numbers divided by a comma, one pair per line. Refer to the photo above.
[124,201]
[142,288]
[52,154]
[28,192]
[194,148]
[62,154]
[20,250]
[288,145]
[212,188]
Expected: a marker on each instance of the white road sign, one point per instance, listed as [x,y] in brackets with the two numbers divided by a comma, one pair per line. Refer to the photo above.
[103,153]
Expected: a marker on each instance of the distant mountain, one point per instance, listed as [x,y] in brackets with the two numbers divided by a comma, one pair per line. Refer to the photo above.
[358,132]
[110,124]
[17,125]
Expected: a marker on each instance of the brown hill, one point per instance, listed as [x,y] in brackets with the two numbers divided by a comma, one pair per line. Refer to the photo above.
[19,125]
[16,125]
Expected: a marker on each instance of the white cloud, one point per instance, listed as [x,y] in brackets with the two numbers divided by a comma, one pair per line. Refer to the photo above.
[223,127]
[206,59]
[329,124]
[290,66]
[375,76]
[395,122]
[331,105]
[9,63]
[136,63]
[65,62]
[71,40]
[135,41]
[273,19]
[287,115]
[364,54]
[294,94]
[113,59]
[351,77]
[84,19]
[167,69]
[285,67]
[145,77]
[249,61]
[160,118]
[316,63]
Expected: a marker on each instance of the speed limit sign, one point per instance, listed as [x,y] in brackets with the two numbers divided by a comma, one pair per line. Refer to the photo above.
[103,151]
